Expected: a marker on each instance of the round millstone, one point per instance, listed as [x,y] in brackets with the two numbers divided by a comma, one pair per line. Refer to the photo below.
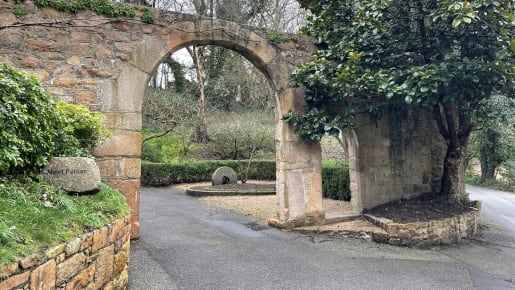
[224,175]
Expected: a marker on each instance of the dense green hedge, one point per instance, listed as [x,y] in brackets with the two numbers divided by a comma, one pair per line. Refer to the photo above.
[335,180]
[161,174]
[335,175]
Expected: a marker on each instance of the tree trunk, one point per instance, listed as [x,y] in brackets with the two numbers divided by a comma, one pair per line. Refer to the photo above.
[455,127]
[453,185]
[197,53]
[487,155]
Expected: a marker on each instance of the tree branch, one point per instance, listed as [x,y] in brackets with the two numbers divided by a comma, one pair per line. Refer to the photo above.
[160,134]
[439,121]
[451,123]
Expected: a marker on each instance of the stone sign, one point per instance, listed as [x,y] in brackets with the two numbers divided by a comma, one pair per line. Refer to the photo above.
[73,174]
[224,175]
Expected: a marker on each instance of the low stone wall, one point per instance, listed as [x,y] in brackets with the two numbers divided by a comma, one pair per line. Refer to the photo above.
[424,234]
[96,260]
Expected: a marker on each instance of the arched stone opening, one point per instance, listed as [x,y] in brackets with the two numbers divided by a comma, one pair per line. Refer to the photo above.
[298,163]
[351,147]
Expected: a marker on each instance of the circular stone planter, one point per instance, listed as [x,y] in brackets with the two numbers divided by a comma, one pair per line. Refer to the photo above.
[436,232]
[232,189]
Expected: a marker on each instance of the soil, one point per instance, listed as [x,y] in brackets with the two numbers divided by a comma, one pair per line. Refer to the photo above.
[419,209]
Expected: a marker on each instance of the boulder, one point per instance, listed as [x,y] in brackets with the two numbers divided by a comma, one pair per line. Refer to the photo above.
[73,174]
[224,175]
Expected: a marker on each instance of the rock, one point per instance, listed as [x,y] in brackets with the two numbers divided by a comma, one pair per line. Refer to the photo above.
[224,175]
[73,174]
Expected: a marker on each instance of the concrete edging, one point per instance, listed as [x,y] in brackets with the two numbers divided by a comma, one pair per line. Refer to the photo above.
[95,260]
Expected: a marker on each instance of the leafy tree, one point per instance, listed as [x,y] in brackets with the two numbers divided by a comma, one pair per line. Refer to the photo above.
[495,136]
[443,55]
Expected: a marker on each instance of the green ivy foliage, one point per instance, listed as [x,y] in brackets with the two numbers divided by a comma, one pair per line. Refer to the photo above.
[425,53]
[35,127]
[103,7]
[19,11]
[278,38]
[443,56]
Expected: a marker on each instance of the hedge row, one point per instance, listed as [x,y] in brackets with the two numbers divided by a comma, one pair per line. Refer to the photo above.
[335,180]
[335,175]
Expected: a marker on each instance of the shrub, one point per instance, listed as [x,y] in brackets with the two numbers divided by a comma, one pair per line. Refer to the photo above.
[335,180]
[34,128]
[30,123]
[236,137]
[85,126]
[335,175]
[170,148]
[162,174]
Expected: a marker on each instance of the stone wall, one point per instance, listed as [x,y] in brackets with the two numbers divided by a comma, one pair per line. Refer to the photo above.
[96,260]
[401,156]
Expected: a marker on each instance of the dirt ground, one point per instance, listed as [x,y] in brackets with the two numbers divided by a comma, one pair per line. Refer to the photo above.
[421,209]
[263,207]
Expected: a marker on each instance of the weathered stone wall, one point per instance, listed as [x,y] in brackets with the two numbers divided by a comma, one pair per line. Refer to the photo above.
[96,260]
[78,56]
[399,157]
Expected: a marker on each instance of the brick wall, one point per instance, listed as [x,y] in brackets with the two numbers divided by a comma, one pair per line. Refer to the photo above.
[96,260]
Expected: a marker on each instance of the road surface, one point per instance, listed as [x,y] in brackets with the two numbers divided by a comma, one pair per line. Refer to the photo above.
[185,244]
[497,209]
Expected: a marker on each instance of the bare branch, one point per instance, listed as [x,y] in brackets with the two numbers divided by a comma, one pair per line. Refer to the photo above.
[160,134]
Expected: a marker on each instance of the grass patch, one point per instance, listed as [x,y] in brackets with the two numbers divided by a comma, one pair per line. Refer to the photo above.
[490,183]
[29,225]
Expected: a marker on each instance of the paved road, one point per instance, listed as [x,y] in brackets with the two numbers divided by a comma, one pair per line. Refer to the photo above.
[498,208]
[187,245]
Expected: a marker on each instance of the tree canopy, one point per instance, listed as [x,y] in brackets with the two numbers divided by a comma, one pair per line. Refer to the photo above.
[444,55]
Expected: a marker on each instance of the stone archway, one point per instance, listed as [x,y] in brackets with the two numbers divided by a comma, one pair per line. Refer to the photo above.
[106,63]
[298,163]
[350,144]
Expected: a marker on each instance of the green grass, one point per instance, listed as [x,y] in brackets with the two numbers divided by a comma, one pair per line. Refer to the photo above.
[27,226]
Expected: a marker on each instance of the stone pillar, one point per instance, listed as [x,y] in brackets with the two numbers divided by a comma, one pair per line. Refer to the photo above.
[119,157]
[119,161]
[299,170]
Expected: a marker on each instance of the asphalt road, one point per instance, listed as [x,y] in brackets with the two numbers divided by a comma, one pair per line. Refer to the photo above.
[497,209]
[187,245]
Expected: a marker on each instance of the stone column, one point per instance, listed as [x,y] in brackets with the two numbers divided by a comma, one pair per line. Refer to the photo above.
[299,169]
[119,157]
[119,161]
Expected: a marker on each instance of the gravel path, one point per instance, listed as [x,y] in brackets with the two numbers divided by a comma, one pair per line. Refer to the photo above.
[261,207]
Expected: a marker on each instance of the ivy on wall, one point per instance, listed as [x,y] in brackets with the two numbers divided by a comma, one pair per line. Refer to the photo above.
[103,7]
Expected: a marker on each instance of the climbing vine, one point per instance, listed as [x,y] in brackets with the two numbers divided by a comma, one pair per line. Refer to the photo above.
[103,7]
[278,38]
[19,11]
